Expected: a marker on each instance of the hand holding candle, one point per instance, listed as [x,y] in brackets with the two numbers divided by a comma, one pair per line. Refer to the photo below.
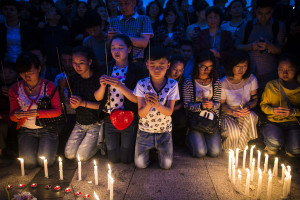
[22,166]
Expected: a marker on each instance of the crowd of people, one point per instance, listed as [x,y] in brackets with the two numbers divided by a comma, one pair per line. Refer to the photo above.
[134,82]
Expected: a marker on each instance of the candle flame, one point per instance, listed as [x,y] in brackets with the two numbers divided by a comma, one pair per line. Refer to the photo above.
[110,178]
[270,173]
[258,151]
[20,159]
[78,158]
[282,165]
[248,171]
[276,159]
[253,160]
[109,167]
[59,159]
[246,148]
[266,155]
[289,168]
[259,171]
[237,149]
[239,171]
[42,157]
[96,196]
[253,146]
[95,163]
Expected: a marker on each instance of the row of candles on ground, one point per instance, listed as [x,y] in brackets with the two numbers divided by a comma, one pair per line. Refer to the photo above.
[110,180]
[233,164]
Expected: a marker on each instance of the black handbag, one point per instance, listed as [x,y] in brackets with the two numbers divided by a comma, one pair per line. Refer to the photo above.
[45,104]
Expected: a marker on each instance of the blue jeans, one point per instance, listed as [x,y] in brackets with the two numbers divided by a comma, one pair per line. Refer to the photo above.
[34,143]
[82,141]
[278,134]
[147,141]
[120,144]
[202,144]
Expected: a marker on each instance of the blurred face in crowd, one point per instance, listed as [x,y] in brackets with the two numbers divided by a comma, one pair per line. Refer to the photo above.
[264,15]
[112,4]
[205,69]
[236,9]
[171,17]
[127,7]
[119,50]
[40,56]
[94,31]
[158,68]
[153,10]
[10,12]
[94,3]
[213,20]
[286,71]
[240,69]
[66,60]
[81,9]
[176,70]
[102,12]
[186,51]
[32,76]
[201,15]
[45,6]
[9,74]
[81,64]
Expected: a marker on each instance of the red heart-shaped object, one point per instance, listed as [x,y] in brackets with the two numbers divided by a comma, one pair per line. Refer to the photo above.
[121,119]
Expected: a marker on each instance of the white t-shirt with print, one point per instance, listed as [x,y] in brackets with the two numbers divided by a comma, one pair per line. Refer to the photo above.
[155,121]
[203,92]
[116,97]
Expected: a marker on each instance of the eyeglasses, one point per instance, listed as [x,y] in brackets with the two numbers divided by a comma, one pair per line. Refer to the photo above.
[205,68]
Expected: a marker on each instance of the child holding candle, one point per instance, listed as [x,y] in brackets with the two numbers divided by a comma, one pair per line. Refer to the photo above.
[156,97]
[115,92]
[281,103]
[239,96]
[34,141]
[83,139]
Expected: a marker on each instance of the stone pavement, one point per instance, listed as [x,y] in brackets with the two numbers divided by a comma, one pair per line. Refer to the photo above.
[189,178]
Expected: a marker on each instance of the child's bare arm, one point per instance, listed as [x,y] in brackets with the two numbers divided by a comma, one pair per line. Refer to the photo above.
[167,109]
[143,107]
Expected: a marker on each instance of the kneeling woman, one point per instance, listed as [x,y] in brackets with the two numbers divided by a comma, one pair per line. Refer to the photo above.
[239,96]
[34,141]
[115,92]
[83,139]
[202,93]
[281,103]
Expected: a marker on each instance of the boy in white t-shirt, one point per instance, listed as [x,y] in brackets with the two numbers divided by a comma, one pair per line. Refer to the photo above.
[156,98]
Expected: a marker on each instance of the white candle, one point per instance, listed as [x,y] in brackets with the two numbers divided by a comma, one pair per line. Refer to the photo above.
[45,166]
[251,155]
[111,188]
[108,175]
[266,163]
[289,169]
[269,189]
[79,168]
[244,157]
[233,171]
[96,172]
[247,183]
[259,185]
[61,175]
[282,173]
[237,157]
[22,166]
[258,159]
[238,185]
[96,196]
[284,189]
[289,179]
[252,169]
[275,169]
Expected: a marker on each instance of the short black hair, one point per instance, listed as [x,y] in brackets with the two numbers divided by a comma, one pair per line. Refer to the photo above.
[66,50]
[127,41]
[215,9]
[11,3]
[289,57]
[166,13]
[175,59]
[26,61]
[228,9]
[186,43]
[199,5]
[235,58]
[92,19]
[36,46]
[158,52]
[159,7]
[265,3]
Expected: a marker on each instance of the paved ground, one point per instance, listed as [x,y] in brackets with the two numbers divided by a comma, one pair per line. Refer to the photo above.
[189,178]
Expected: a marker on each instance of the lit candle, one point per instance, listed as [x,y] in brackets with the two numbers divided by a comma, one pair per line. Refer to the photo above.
[269,189]
[79,168]
[238,185]
[96,196]
[275,169]
[289,169]
[45,166]
[251,155]
[259,185]
[96,172]
[229,164]
[109,174]
[284,193]
[289,183]
[61,175]
[111,188]
[237,157]
[282,173]
[252,169]
[247,182]
[258,159]
[233,171]
[266,163]
[244,157]
[22,166]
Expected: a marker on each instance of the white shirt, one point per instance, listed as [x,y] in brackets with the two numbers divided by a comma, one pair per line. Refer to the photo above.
[155,121]
[203,92]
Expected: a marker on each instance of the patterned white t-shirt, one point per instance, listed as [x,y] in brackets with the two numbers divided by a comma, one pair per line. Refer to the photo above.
[116,97]
[155,121]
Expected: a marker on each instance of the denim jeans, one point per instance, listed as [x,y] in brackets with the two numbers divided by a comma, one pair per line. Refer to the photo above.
[34,143]
[202,144]
[82,141]
[278,134]
[120,144]
[147,141]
